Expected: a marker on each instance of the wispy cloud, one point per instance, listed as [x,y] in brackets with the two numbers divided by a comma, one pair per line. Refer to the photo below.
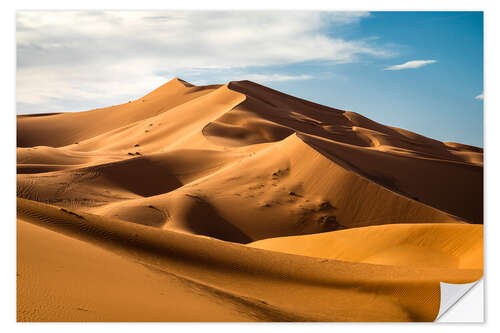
[480,96]
[410,64]
[277,77]
[69,59]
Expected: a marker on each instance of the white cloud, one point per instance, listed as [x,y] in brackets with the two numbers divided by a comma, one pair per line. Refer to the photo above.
[277,77]
[410,64]
[67,59]
[480,96]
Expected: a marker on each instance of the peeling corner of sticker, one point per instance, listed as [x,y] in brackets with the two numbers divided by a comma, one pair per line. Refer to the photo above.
[451,293]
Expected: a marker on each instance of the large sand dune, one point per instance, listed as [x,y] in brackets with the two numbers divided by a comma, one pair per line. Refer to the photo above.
[237,202]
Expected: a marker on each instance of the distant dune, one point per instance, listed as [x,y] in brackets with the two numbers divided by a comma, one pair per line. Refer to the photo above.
[237,202]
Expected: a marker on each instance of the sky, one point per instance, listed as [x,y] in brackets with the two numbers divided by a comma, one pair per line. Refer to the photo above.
[422,71]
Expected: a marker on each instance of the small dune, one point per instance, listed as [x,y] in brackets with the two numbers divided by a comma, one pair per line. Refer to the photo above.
[449,245]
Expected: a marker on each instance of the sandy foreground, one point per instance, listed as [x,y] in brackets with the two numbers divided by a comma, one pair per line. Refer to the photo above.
[237,202]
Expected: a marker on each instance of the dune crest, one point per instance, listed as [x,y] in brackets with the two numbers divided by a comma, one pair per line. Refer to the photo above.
[225,195]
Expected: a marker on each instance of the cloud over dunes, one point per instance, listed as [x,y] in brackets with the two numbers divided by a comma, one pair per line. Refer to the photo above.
[277,77]
[68,59]
[410,64]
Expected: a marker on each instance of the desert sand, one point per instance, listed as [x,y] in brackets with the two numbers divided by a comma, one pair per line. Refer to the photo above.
[237,202]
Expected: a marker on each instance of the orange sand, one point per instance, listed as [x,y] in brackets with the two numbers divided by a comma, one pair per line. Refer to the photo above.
[239,203]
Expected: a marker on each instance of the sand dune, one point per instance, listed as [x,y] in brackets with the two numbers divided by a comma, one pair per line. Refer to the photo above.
[215,199]
[62,129]
[319,289]
[414,245]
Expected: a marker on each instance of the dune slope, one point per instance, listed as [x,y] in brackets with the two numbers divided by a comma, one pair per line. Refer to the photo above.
[319,289]
[414,245]
[215,199]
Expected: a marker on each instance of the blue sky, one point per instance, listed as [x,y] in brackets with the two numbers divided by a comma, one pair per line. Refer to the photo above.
[437,100]
[421,71]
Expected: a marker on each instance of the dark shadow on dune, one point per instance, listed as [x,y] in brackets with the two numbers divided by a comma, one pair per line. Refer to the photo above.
[203,219]
[432,182]
[38,168]
[37,115]
[140,176]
